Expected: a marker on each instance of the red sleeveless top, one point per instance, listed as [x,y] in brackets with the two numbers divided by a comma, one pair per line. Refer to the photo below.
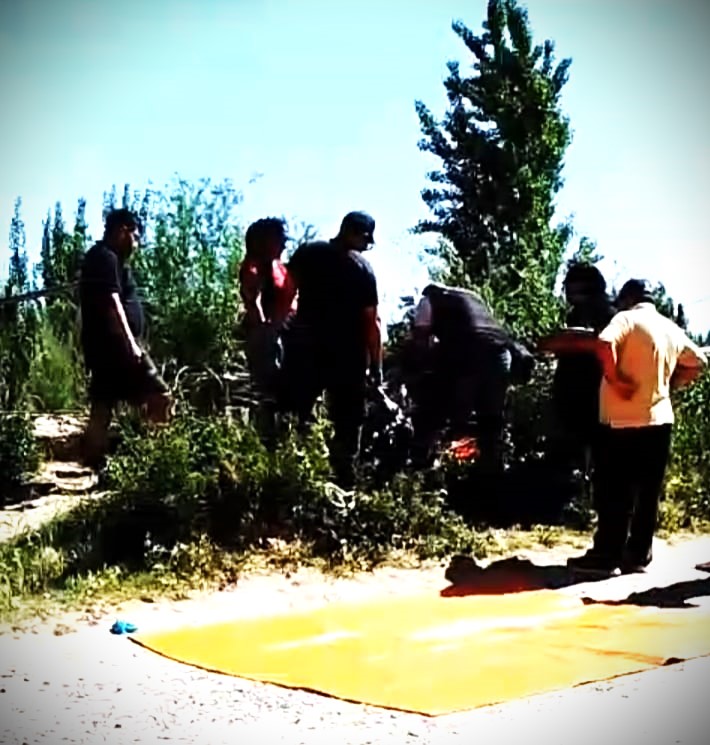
[273,283]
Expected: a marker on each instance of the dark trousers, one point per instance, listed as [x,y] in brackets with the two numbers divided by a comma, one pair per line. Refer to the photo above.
[311,368]
[630,464]
[457,392]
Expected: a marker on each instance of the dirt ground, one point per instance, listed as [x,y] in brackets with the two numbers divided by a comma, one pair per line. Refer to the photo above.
[68,679]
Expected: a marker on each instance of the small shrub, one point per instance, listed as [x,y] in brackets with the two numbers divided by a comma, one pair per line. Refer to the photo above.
[687,486]
[57,378]
[18,452]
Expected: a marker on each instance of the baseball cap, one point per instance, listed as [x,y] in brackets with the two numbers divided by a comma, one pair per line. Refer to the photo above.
[358,222]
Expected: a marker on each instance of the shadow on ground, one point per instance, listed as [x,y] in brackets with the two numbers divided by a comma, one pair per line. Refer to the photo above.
[521,575]
[504,576]
[676,595]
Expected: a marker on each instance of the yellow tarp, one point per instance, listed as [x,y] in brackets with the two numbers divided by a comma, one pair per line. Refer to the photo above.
[435,655]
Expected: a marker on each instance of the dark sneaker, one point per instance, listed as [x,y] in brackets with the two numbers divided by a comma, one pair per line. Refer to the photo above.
[594,564]
[629,565]
[704,567]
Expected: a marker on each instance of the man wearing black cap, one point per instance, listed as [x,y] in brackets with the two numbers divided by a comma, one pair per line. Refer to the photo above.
[643,356]
[335,338]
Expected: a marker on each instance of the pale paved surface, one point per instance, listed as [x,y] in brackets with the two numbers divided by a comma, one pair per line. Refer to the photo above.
[71,484]
[92,687]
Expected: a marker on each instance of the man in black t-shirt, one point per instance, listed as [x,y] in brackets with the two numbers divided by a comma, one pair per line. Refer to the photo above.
[578,374]
[112,323]
[335,337]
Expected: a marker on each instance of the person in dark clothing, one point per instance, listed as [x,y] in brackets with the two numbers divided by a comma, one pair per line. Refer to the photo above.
[112,324]
[334,339]
[578,374]
[465,357]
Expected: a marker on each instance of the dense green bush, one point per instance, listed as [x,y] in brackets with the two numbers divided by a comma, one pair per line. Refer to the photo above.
[187,271]
[187,500]
[57,379]
[687,487]
[215,477]
[18,451]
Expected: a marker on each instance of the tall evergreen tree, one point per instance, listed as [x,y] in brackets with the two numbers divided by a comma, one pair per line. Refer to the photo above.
[18,321]
[501,144]
[18,278]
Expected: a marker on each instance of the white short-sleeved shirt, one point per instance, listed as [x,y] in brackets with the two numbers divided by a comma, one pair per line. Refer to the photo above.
[648,347]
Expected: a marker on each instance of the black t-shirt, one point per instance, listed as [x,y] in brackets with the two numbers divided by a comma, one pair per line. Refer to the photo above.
[578,375]
[102,274]
[462,322]
[334,285]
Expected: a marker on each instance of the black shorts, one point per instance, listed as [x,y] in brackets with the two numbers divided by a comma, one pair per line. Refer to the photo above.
[133,383]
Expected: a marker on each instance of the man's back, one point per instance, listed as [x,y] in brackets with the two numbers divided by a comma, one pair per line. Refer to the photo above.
[649,348]
[578,374]
[460,316]
[334,285]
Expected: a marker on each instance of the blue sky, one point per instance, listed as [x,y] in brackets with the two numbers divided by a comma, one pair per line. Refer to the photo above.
[318,98]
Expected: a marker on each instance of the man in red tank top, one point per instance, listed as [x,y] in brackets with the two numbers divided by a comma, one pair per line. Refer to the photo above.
[268,294]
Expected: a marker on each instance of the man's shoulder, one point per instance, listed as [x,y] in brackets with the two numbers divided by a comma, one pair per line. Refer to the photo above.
[358,260]
[98,257]
[311,247]
[312,252]
[99,252]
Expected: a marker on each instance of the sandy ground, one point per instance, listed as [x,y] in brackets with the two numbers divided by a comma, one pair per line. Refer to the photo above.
[70,680]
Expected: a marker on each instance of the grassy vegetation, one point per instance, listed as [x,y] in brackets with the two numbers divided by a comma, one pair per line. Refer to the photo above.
[197,504]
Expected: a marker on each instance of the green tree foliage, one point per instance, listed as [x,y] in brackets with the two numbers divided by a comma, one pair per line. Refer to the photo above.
[586,252]
[501,144]
[187,272]
[57,377]
[18,322]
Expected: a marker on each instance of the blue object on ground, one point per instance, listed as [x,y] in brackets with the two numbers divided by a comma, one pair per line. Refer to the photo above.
[123,627]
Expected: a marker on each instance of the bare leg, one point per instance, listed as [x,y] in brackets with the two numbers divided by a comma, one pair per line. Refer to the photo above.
[158,408]
[95,439]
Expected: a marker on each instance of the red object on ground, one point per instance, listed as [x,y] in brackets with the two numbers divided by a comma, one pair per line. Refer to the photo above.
[464,449]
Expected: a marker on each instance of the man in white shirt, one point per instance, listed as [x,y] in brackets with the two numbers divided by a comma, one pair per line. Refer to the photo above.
[643,355]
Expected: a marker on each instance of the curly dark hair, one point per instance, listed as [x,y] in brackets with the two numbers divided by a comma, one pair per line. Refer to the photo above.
[261,230]
[120,218]
[586,274]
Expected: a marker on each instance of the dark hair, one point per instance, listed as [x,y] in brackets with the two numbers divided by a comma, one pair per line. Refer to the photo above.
[358,222]
[261,230]
[635,291]
[120,218]
[587,274]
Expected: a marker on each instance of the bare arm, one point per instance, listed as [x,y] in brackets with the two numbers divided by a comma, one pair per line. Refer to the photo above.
[120,323]
[683,376]
[373,337]
[691,362]
[569,341]
[251,296]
